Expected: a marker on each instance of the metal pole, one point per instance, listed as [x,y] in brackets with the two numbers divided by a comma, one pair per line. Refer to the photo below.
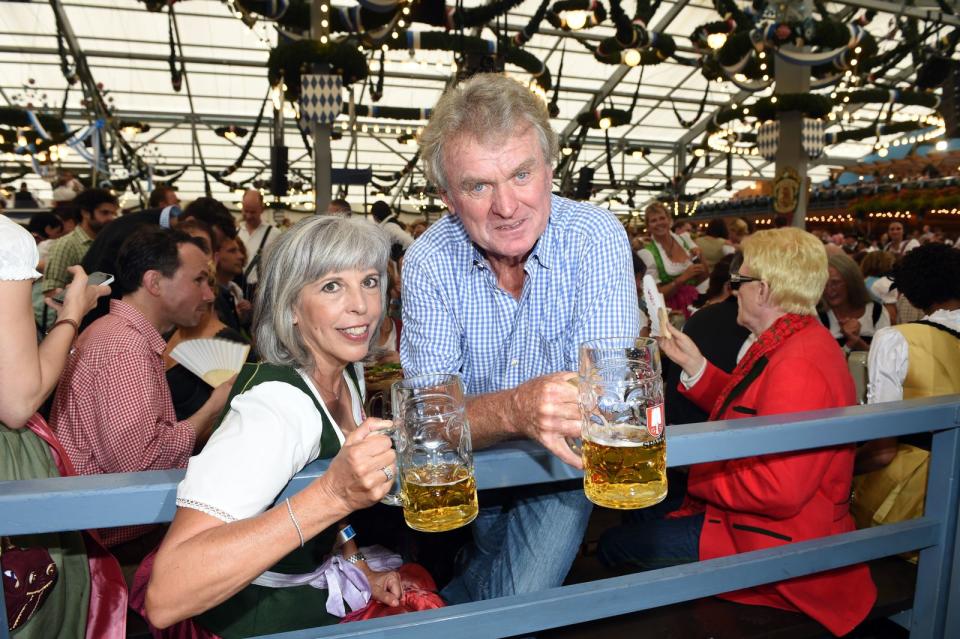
[791,78]
[322,157]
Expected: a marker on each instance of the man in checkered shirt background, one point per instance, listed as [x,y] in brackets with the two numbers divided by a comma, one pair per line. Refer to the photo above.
[503,290]
[112,411]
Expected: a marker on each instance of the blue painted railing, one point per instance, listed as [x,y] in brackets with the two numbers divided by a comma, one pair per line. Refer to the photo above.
[138,498]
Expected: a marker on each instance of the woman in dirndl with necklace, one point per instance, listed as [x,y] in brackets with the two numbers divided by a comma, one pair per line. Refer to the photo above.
[672,260]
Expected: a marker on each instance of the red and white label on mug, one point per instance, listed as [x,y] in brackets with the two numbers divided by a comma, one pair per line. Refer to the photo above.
[655,420]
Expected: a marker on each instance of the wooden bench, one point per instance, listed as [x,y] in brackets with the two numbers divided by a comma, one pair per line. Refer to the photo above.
[112,500]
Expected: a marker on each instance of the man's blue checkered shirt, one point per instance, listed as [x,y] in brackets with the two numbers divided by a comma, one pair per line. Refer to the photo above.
[579,286]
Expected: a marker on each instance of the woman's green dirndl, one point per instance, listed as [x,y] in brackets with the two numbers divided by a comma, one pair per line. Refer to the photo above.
[23,455]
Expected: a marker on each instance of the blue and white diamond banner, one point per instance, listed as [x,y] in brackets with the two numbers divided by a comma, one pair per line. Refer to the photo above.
[768,139]
[813,137]
[321,98]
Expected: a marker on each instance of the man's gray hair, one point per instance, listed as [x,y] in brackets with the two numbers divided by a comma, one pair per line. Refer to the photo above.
[311,249]
[487,107]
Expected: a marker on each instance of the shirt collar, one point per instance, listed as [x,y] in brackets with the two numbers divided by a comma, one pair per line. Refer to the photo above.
[139,323]
[82,235]
[542,250]
[168,212]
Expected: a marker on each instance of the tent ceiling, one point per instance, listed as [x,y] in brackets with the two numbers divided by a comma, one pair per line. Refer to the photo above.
[127,49]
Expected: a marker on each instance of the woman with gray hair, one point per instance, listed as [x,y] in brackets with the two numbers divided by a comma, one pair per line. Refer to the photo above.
[848,311]
[235,563]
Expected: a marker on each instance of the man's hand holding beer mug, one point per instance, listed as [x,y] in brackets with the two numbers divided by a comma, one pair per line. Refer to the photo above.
[549,412]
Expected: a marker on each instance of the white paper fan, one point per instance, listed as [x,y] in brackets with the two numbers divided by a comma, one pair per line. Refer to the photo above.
[212,360]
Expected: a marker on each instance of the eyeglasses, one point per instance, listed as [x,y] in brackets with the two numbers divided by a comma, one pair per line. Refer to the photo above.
[736,280]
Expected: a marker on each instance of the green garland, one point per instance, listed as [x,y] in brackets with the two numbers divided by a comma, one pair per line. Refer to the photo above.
[438,40]
[291,58]
[818,106]
[810,104]
[617,117]
[17,118]
[828,33]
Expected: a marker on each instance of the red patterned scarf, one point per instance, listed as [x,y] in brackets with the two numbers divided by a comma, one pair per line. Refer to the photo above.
[769,341]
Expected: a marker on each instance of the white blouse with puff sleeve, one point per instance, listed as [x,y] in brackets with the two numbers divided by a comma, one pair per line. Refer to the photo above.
[889,359]
[18,252]
[269,434]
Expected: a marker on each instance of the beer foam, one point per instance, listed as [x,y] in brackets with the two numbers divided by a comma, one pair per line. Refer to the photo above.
[620,442]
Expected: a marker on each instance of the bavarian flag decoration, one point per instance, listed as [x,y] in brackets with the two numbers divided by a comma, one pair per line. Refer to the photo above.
[321,98]
[768,139]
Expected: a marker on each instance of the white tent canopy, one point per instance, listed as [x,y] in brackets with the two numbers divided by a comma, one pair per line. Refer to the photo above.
[127,50]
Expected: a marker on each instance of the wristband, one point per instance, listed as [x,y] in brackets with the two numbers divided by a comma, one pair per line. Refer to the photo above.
[345,535]
[356,557]
[67,322]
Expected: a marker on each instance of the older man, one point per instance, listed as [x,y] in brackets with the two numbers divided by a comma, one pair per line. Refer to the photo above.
[503,290]
[255,234]
[164,196]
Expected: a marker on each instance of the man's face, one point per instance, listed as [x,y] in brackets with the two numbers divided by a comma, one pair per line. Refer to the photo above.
[102,215]
[186,296]
[230,258]
[53,232]
[749,302]
[500,192]
[170,198]
[895,231]
[252,210]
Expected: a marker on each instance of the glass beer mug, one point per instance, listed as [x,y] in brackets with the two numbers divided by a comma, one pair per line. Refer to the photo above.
[621,403]
[437,488]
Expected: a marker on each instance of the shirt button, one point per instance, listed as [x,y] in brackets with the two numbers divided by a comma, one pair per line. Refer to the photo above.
[515,362]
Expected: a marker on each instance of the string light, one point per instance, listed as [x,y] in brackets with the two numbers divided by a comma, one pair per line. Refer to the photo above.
[631,57]
[576,20]
[717,40]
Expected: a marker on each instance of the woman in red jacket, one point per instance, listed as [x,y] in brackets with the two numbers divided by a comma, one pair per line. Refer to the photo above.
[765,501]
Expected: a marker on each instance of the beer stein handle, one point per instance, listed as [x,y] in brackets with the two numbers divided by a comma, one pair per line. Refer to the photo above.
[394,497]
[576,443]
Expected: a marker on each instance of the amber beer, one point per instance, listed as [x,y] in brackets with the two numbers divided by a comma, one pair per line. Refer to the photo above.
[625,472]
[439,497]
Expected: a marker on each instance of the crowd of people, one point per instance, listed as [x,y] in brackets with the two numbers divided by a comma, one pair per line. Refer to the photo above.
[502,291]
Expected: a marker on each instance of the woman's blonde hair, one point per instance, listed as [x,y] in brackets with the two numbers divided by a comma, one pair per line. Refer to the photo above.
[792,262]
[656,207]
[738,226]
[877,263]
